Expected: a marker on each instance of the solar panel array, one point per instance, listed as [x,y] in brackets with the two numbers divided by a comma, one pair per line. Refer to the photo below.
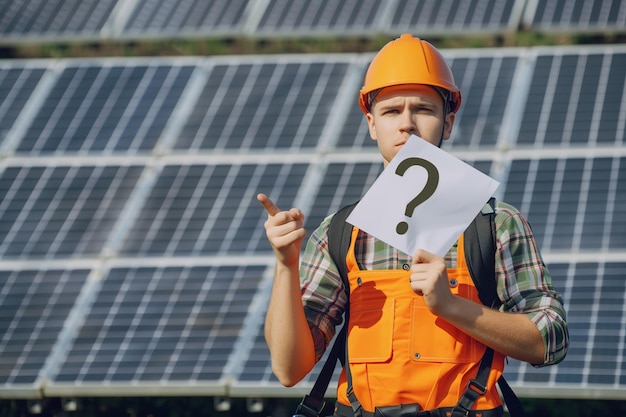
[578,15]
[133,259]
[97,20]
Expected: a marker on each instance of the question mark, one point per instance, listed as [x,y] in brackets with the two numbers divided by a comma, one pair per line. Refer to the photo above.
[427,191]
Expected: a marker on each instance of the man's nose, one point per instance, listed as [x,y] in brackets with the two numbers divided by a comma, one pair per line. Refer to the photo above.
[408,124]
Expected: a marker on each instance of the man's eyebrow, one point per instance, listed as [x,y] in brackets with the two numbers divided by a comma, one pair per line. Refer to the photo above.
[396,101]
[388,105]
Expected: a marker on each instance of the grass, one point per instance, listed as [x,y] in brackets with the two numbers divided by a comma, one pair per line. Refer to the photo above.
[247,45]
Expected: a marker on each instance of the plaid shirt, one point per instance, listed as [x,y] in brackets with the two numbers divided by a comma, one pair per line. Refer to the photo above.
[524,283]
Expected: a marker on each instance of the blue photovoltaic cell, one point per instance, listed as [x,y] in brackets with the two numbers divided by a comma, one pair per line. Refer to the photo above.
[163,16]
[106,109]
[148,19]
[618,220]
[52,18]
[568,113]
[571,203]
[608,339]
[343,184]
[51,212]
[257,366]
[573,15]
[582,285]
[162,324]
[302,15]
[585,288]
[263,106]
[207,209]
[452,15]
[16,87]
[610,130]
[34,305]
[486,84]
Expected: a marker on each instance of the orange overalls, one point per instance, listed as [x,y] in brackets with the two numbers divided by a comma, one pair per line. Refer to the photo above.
[399,352]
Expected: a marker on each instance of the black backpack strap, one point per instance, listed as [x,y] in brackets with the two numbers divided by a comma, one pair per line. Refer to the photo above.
[480,256]
[475,387]
[513,404]
[338,244]
[313,404]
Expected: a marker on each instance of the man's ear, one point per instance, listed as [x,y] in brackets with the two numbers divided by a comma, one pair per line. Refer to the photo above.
[448,124]
[371,125]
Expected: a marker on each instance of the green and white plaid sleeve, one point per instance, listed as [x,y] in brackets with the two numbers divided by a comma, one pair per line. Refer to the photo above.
[524,282]
[322,291]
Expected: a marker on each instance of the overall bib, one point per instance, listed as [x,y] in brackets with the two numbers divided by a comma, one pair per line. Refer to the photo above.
[400,353]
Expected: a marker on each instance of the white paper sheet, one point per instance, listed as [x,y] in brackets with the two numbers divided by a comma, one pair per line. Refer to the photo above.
[424,199]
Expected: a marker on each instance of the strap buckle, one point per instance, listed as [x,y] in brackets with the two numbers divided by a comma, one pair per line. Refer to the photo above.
[477,387]
[304,410]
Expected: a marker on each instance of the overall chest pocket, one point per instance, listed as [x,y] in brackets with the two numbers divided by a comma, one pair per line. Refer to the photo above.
[371,331]
[435,340]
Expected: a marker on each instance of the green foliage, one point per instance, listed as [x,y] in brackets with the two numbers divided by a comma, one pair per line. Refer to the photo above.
[280,45]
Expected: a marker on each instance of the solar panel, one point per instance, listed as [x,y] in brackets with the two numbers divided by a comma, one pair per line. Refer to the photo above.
[580,107]
[263,105]
[106,109]
[113,19]
[576,16]
[158,17]
[573,203]
[149,19]
[16,86]
[596,334]
[442,17]
[195,210]
[284,16]
[55,18]
[162,324]
[65,211]
[34,305]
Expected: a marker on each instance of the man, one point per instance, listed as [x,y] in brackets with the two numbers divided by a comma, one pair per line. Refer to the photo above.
[417,330]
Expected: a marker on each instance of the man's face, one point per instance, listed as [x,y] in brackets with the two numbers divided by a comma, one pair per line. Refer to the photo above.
[400,111]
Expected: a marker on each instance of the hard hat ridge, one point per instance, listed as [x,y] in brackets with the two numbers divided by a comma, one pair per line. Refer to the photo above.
[409,60]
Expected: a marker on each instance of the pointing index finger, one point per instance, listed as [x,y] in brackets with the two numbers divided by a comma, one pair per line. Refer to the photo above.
[269,205]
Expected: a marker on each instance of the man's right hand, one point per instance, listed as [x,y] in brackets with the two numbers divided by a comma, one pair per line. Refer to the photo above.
[286,328]
[285,231]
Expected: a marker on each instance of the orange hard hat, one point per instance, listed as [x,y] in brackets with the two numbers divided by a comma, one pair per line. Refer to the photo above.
[409,60]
